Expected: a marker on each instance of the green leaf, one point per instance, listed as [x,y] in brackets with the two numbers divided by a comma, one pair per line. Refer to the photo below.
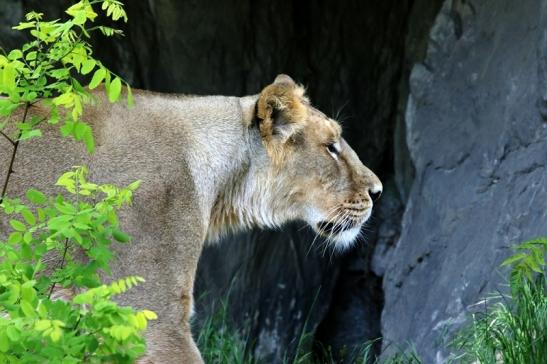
[41,214]
[42,310]
[27,309]
[150,315]
[28,292]
[97,78]
[42,325]
[88,140]
[79,18]
[79,130]
[7,107]
[59,223]
[65,208]
[66,180]
[54,115]
[65,99]
[29,217]
[87,66]
[26,251]
[15,237]
[36,197]
[15,54]
[13,333]
[120,236]
[24,25]
[4,342]
[115,90]
[77,109]
[56,334]
[512,259]
[67,129]
[134,185]
[120,332]
[7,81]
[141,321]
[18,225]
[31,56]
[83,298]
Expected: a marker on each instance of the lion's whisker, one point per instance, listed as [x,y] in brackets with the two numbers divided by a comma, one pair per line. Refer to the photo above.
[331,211]
[346,223]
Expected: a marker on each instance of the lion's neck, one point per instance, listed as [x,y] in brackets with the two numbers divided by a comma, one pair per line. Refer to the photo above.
[236,191]
[247,201]
[250,196]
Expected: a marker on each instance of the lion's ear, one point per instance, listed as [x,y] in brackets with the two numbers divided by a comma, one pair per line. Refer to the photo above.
[281,111]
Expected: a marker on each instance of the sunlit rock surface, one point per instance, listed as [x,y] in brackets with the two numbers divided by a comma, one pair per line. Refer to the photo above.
[478,142]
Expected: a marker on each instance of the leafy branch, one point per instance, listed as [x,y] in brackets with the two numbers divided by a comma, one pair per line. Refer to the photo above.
[62,241]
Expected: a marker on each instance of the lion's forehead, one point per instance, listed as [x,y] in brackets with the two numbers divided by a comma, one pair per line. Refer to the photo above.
[326,129]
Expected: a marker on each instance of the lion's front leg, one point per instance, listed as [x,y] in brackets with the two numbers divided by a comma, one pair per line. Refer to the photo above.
[165,251]
[168,292]
[169,344]
[169,339]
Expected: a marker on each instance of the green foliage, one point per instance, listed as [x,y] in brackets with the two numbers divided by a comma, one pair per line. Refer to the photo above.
[75,233]
[48,69]
[402,357]
[219,342]
[53,305]
[362,354]
[528,261]
[512,330]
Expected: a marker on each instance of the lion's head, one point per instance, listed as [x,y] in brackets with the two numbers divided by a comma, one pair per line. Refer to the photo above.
[298,168]
[314,175]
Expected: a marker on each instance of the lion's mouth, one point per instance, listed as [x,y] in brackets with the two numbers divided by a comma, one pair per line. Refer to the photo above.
[331,228]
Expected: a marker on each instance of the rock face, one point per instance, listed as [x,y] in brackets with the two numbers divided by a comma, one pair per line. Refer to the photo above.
[478,142]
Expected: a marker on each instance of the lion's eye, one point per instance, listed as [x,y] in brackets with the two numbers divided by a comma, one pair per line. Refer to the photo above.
[334,149]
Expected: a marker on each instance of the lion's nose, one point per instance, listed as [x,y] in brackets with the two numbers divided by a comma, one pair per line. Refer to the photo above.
[372,184]
[375,192]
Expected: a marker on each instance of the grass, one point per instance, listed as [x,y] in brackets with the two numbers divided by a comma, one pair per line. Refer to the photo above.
[511,329]
[220,343]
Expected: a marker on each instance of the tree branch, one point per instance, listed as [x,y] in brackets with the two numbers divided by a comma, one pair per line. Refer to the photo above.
[60,267]
[7,137]
[15,146]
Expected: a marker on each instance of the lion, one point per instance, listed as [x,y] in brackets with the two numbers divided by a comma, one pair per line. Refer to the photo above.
[209,165]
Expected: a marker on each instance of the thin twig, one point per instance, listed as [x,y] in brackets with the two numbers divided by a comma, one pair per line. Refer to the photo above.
[7,137]
[59,267]
[15,146]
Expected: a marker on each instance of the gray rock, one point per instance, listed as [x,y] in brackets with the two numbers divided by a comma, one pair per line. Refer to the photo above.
[479,146]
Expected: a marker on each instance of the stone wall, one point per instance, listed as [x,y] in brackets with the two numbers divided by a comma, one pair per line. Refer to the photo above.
[478,142]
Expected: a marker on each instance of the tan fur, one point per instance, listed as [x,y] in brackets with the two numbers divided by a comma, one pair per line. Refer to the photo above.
[209,166]
[286,99]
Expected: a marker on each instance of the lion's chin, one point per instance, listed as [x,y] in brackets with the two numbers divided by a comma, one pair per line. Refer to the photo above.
[346,238]
[342,238]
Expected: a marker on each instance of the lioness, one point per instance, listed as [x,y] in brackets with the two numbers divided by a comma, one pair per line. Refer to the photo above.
[208,165]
